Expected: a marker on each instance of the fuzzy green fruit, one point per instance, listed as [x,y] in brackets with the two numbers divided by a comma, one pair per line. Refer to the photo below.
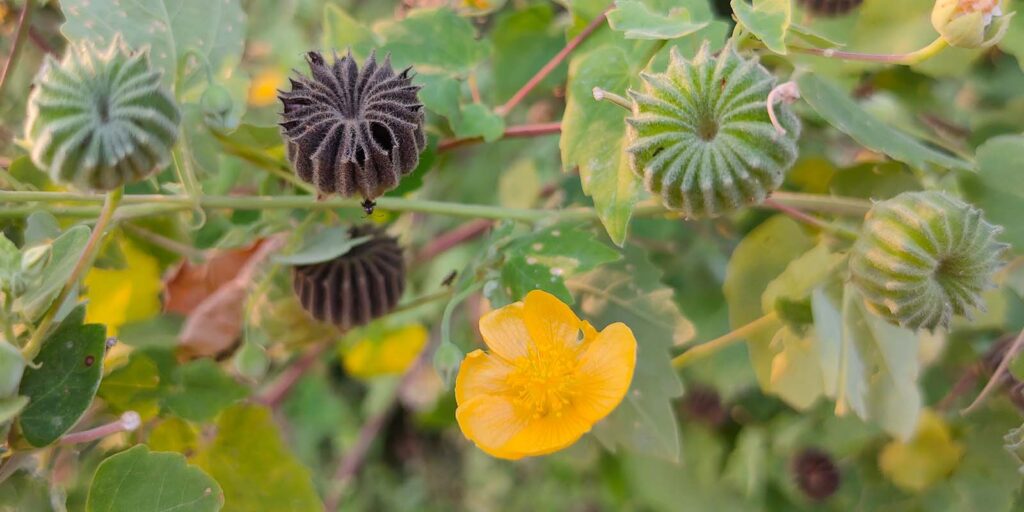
[100,118]
[923,257]
[701,137]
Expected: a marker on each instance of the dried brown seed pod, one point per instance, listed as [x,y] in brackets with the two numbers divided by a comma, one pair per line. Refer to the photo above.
[816,474]
[353,131]
[829,8]
[356,287]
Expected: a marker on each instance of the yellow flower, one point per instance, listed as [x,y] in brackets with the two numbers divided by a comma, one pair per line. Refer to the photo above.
[392,354]
[263,90]
[129,294]
[931,455]
[548,378]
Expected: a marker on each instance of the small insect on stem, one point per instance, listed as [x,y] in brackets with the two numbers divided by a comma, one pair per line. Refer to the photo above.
[450,278]
[368,206]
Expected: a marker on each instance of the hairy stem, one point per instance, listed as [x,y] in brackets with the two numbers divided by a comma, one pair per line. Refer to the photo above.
[906,59]
[603,95]
[712,347]
[128,422]
[997,376]
[85,260]
[19,40]
[796,214]
[525,130]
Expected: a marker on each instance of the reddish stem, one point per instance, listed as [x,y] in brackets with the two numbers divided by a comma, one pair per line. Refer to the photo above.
[524,130]
[553,63]
[279,389]
[128,422]
[457,236]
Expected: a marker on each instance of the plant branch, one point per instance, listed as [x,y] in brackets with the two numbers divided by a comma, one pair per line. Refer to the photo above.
[1001,370]
[277,391]
[165,243]
[128,422]
[553,63]
[706,349]
[828,227]
[525,130]
[85,260]
[19,39]
[823,204]
[457,236]
[906,59]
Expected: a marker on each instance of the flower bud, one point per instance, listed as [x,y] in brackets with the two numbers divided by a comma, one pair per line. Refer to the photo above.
[34,259]
[970,23]
[217,104]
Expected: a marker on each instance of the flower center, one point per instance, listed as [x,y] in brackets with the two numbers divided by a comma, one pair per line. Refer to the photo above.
[544,382]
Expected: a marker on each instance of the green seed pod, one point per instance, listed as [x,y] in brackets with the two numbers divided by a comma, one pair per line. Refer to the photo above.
[924,256]
[100,118]
[701,136]
[217,104]
[970,23]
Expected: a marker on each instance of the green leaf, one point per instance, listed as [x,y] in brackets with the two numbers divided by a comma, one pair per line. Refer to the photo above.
[215,29]
[63,385]
[134,387]
[324,246]
[747,467]
[343,32]
[439,93]
[630,291]
[159,331]
[12,367]
[768,20]
[801,276]
[843,113]
[568,248]
[522,39]
[520,275]
[878,369]
[253,466]
[434,40]
[10,261]
[594,137]
[796,375]
[41,227]
[763,255]
[26,492]
[998,187]
[139,480]
[67,248]
[476,120]
[11,407]
[637,21]
[202,390]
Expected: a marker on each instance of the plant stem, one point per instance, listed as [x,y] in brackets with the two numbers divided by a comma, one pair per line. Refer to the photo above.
[553,63]
[828,227]
[19,40]
[837,205]
[85,261]
[128,422]
[275,394]
[997,375]
[706,349]
[459,235]
[603,95]
[525,130]
[165,243]
[906,59]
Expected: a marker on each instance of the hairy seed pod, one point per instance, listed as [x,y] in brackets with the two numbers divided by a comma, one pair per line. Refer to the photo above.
[352,131]
[816,474]
[101,118]
[701,137]
[829,8]
[356,287]
[922,257]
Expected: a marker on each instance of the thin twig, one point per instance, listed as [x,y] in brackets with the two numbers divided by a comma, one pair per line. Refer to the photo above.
[525,130]
[464,233]
[905,59]
[553,63]
[277,391]
[166,243]
[40,42]
[128,422]
[811,220]
[1001,370]
[962,385]
[706,349]
[19,39]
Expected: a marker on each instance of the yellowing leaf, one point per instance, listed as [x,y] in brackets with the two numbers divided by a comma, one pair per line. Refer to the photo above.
[391,354]
[120,296]
[931,455]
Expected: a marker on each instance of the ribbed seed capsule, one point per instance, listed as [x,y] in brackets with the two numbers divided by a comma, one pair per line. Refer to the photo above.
[352,131]
[923,257]
[101,118]
[701,137]
[356,287]
[829,8]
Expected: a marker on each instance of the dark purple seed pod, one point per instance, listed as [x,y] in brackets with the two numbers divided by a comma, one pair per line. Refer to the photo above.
[353,131]
[816,474]
[704,404]
[356,287]
[829,8]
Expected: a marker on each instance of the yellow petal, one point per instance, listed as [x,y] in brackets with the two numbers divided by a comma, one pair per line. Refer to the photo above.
[504,331]
[480,374]
[605,372]
[264,86]
[392,354]
[549,321]
[490,422]
[129,294]
[548,434]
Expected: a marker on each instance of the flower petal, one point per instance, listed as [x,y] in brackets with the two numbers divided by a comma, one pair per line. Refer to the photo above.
[549,321]
[605,372]
[548,434]
[504,331]
[480,374]
[490,422]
